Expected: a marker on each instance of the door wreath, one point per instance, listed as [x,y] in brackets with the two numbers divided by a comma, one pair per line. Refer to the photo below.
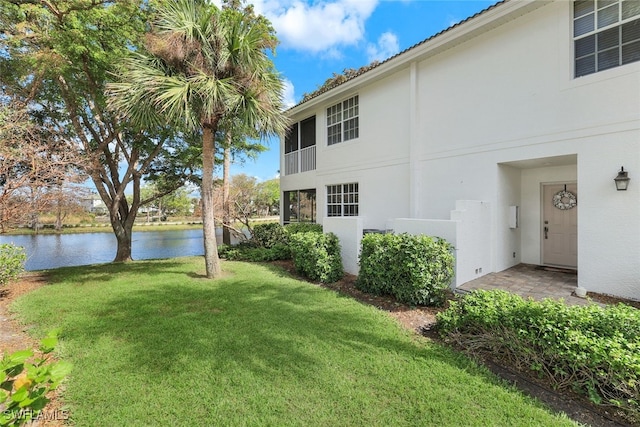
[565,200]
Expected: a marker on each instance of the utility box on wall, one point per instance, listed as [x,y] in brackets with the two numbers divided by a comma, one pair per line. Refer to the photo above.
[514,216]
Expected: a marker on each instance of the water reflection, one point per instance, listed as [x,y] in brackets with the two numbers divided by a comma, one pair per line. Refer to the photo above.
[63,250]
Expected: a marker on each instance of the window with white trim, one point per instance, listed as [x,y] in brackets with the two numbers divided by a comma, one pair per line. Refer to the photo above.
[606,34]
[343,121]
[342,199]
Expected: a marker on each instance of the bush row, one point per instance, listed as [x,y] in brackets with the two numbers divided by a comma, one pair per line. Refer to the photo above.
[270,234]
[252,253]
[12,259]
[590,349]
[414,269]
[315,255]
[269,242]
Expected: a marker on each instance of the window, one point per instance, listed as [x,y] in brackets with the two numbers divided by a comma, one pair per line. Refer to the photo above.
[299,206]
[342,200]
[606,34]
[342,121]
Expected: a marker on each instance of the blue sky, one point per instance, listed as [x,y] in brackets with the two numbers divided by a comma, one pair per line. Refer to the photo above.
[318,38]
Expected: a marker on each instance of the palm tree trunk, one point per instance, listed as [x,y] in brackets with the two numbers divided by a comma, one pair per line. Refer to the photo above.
[212,263]
[226,208]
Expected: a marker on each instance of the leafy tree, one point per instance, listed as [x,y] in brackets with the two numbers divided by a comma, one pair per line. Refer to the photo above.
[268,197]
[57,56]
[205,65]
[177,202]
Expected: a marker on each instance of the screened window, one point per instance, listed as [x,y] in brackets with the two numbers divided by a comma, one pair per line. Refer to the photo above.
[308,132]
[291,139]
[342,200]
[300,147]
[606,34]
[342,121]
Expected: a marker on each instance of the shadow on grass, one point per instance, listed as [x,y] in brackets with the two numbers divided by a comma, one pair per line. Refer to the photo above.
[264,323]
[106,272]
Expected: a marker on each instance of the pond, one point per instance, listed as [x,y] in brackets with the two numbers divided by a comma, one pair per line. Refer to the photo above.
[46,251]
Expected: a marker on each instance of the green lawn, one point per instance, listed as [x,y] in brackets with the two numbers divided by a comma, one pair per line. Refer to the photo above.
[154,343]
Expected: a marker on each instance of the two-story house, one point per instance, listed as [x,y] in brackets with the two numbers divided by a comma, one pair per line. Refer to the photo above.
[502,134]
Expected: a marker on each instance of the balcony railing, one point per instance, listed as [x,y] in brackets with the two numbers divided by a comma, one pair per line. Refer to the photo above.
[291,163]
[308,159]
[300,161]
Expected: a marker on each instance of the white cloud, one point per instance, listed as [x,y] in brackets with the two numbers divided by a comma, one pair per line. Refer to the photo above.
[289,99]
[452,20]
[386,47]
[317,27]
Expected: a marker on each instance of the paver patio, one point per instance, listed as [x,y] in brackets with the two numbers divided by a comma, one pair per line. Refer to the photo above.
[532,281]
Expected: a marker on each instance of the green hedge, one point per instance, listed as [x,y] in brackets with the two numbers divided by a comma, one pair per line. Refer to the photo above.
[12,259]
[303,227]
[317,256]
[414,269]
[269,234]
[251,253]
[589,349]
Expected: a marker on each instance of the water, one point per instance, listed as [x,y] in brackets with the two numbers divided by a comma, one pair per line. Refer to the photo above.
[46,251]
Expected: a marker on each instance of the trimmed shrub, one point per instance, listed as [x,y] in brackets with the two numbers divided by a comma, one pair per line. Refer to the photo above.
[317,256]
[414,269]
[269,234]
[12,259]
[303,227]
[251,253]
[589,349]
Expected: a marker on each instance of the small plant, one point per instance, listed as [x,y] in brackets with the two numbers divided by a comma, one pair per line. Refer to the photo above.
[414,269]
[24,385]
[317,256]
[12,259]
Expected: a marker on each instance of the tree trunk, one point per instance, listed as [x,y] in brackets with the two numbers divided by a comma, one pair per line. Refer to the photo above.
[226,208]
[124,238]
[212,263]
[122,218]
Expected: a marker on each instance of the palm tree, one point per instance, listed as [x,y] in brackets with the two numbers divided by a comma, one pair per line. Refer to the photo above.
[203,66]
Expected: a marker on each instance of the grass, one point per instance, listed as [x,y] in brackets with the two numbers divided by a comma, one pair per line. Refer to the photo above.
[154,343]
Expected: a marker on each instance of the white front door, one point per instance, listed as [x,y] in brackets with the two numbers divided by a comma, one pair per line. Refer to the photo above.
[560,225]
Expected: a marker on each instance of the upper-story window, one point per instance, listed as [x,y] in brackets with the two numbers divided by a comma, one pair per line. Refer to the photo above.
[342,121]
[300,147]
[606,34]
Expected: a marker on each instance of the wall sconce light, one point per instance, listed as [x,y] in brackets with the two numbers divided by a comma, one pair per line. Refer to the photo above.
[622,180]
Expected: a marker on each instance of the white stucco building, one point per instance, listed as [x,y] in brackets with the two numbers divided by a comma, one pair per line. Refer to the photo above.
[470,135]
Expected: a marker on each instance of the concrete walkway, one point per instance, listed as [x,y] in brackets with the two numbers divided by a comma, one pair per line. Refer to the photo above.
[531,281]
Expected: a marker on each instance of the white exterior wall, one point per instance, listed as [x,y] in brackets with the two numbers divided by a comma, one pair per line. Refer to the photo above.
[349,232]
[491,117]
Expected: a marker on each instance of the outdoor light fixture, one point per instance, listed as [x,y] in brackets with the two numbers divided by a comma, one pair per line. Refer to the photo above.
[622,180]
